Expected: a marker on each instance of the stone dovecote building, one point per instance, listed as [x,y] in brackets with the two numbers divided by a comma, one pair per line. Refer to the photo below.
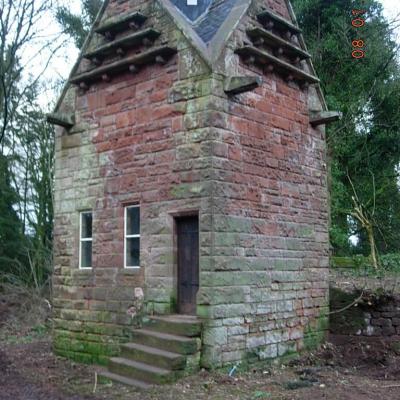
[191,205]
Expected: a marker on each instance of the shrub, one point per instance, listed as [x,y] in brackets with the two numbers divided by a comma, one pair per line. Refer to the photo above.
[390,262]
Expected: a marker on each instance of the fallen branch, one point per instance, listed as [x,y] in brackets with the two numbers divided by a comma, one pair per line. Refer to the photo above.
[349,305]
[95,382]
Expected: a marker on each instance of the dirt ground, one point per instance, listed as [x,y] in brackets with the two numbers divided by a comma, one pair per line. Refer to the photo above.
[352,368]
[345,368]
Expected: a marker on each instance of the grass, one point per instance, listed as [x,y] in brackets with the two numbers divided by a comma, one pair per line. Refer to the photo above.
[360,266]
[24,314]
[260,395]
[38,332]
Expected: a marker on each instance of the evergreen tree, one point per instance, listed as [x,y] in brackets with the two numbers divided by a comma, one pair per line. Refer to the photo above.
[364,147]
[11,235]
[78,26]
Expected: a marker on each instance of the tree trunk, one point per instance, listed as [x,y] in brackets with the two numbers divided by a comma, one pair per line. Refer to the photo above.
[371,240]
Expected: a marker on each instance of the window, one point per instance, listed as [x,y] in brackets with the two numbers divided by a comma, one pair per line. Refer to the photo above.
[132,237]
[85,240]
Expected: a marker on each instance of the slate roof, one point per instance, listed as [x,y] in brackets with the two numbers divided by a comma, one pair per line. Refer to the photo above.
[207,17]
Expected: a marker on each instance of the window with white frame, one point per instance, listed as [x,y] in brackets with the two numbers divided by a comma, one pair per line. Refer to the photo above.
[132,237]
[85,239]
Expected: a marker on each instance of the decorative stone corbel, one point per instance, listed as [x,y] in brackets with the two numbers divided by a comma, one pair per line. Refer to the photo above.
[60,119]
[324,117]
[239,84]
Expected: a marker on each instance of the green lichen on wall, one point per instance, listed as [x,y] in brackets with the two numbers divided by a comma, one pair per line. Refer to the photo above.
[188,190]
[316,330]
[161,307]
[174,303]
[84,349]
[91,341]
[155,307]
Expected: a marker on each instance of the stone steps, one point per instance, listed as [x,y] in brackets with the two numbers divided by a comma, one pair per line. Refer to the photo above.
[164,350]
[154,356]
[123,379]
[140,371]
[166,341]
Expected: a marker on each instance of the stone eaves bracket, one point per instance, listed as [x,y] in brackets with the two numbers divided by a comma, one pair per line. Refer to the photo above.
[239,84]
[65,120]
[324,117]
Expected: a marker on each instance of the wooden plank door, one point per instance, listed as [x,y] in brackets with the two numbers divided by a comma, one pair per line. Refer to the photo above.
[188,263]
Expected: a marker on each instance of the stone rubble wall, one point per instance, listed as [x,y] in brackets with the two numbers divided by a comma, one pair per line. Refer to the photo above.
[382,321]
[370,315]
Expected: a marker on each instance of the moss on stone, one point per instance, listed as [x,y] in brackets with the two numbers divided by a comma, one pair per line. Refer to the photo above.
[162,308]
[342,262]
[186,190]
[76,356]
[202,311]
[173,303]
[88,347]
[316,331]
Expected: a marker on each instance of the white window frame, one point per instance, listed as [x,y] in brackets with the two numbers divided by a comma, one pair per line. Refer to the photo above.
[130,236]
[81,239]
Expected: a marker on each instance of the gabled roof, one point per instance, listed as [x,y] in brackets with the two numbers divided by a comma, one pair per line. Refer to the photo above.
[207,26]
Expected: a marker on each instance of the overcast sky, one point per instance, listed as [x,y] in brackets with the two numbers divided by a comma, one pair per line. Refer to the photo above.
[392,7]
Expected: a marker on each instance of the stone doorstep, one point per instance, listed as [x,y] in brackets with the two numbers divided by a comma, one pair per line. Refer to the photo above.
[184,325]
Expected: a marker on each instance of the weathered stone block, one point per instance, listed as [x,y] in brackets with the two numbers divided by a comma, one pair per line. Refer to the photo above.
[266,352]
[215,336]
[287,348]
[396,321]
[255,341]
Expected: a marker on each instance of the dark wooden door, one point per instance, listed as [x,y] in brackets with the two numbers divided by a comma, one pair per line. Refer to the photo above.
[188,263]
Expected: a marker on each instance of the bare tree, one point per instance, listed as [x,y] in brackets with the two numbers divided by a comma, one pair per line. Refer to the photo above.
[28,43]
[366,218]
[22,26]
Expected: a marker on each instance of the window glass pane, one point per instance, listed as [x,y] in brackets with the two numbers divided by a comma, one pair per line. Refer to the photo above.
[86,225]
[86,254]
[133,252]
[133,221]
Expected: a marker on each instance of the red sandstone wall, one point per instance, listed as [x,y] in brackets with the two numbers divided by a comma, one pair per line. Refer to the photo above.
[137,139]
[270,271]
[170,139]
